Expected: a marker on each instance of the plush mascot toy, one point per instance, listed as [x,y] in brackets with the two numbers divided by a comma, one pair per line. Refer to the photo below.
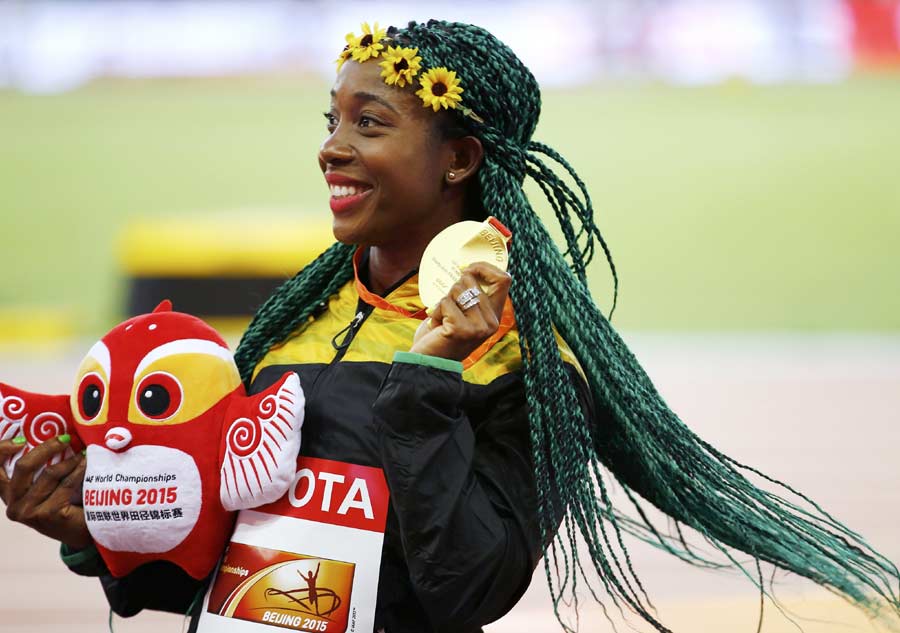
[174,445]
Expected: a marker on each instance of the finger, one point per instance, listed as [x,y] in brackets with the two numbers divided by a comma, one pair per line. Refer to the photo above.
[8,448]
[424,328]
[436,316]
[482,313]
[78,536]
[488,273]
[64,513]
[494,282]
[61,496]
[467,283]
[488,313]
[50,480]
[23,473]
[456,321]
[450,312]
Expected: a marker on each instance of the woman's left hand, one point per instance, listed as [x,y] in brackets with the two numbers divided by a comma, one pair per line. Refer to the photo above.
[467,316]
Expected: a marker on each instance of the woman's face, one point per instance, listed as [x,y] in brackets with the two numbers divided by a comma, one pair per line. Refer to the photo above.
[384,162]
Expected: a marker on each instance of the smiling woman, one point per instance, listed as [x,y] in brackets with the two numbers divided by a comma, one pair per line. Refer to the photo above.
[461,438]
[396,177]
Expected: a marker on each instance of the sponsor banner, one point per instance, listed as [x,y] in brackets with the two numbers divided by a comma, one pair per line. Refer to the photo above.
[308,562]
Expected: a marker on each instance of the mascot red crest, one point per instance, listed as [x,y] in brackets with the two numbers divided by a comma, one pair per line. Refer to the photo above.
[174,444]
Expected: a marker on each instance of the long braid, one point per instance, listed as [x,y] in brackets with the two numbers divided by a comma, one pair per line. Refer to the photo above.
[292,304]
[634,435]
[645,445]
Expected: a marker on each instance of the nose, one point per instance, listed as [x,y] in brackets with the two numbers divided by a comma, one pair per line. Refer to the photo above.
[335,150]
[118,438]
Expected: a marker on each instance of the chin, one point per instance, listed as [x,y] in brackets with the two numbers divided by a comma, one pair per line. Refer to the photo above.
[353,233]
[345,240]
[344,235]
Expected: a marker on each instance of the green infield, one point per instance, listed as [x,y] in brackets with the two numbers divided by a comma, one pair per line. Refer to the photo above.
[733,207]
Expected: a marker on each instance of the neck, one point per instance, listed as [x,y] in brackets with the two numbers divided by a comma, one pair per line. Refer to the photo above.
[387,266]
[391,262]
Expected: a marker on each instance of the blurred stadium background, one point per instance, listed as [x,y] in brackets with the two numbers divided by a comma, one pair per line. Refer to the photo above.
[743,160]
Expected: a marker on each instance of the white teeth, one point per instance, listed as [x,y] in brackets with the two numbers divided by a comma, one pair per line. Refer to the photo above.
[338,191]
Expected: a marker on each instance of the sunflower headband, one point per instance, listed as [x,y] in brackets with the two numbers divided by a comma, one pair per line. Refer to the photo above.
[438,87]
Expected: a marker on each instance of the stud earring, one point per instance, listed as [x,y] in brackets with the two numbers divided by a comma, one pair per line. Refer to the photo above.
[451,175]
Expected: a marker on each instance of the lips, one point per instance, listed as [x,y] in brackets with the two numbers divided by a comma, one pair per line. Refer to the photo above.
[346,193]
[343,204]
[341,180]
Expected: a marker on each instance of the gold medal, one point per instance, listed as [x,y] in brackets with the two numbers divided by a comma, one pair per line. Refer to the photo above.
[454,248]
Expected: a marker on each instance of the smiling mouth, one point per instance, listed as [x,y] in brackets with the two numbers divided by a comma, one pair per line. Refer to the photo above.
[345,191]
[345,197]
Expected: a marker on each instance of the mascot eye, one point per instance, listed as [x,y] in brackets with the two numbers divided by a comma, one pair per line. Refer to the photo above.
[90,396]
[159,396]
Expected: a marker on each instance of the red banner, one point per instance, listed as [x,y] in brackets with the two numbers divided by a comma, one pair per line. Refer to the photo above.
[335,492]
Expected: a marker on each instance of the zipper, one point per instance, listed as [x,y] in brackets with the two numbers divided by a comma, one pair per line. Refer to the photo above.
[349,332]
[363,311]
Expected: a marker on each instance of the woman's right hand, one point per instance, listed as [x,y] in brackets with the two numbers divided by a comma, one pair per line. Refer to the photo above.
[452,331]
[47,504]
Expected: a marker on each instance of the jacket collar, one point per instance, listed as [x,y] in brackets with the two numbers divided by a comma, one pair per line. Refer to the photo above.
[402,298]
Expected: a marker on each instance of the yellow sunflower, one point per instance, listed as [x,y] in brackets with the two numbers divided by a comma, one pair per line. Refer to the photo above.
[344,56]
[440,89]
[400,65]
[369,43]
[352,42]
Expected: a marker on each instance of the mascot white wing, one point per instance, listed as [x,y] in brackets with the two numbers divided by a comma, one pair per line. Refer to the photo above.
[262,441]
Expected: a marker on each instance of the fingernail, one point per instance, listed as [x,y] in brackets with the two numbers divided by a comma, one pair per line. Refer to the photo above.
[18,441]
[65,439]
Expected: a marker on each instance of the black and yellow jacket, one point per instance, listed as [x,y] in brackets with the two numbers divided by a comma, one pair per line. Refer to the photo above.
[462,537]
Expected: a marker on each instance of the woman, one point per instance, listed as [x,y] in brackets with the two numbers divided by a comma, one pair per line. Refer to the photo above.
[489,430]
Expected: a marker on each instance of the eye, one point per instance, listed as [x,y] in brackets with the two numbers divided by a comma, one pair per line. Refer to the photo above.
[90,396]
[367,121]
[331,119]
[159,396]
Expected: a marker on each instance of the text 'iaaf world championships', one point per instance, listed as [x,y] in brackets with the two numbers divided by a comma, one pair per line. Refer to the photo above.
[134,479]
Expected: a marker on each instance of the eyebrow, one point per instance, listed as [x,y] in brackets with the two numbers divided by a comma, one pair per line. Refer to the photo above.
[368,96]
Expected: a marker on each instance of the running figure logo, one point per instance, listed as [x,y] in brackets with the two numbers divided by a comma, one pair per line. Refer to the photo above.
[313,600]
[312,583]
[283,589]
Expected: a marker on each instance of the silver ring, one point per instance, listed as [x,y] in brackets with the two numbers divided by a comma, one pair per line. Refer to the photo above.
[467,295]
[474,301]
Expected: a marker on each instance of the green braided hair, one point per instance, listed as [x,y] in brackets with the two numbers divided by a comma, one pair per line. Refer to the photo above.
[294,303]
[635,435]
